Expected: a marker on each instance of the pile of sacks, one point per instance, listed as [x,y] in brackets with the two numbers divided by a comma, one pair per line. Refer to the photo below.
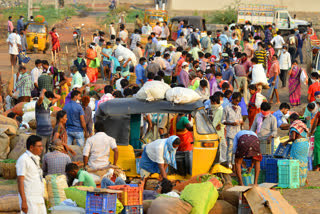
[157,90]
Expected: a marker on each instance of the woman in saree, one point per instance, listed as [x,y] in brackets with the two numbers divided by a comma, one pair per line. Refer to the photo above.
[295,84]
[211,79]
[298,132]
[315,131]
[55,40]
[157,155]
[63,90]
[253,110]
[270,54]
[91,54]
[180,126]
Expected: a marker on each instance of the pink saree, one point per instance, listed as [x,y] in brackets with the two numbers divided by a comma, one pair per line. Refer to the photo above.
[295,86]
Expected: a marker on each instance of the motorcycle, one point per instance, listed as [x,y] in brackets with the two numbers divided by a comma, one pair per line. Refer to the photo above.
[112,6]
[77,34]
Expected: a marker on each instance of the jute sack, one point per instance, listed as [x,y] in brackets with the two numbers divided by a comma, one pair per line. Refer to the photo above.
[55,186]
[8,121]
[9,203]
[223,207]
[168,205]
[4,144]
[20,147]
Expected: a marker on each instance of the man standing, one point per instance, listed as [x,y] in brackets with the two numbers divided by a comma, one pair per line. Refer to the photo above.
[165,32]
[160,61]
[283,110]
[182,42]
[184,75]
[10,25]
[76,124]
[268,35]
[14,42]
[274,78]
[137,23]
[138,51]
[140,72]
[301,37]
[44,127]
[206,42]
[77,79]
[23,39]
[108,90]
[265,125]
[45,81]
[232,119]
[36,72]
[29,172]
[216,49]
[248,49]
[157,29]
[285,65]
[278,42]
[241,79]
[97,149]
[135,38]
[24,85]
[20,25]
[293,42]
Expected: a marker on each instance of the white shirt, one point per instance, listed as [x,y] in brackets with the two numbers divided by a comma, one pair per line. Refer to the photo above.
[285,60]
[155,151]
[123,35]
[278,41]
[118,85]
[28,165]
[35,74]
[216,49]
[15,40]
[112,31]
[97,148]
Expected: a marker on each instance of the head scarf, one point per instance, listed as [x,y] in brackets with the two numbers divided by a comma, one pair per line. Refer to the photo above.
[57,146]
[299,126]
[169,152]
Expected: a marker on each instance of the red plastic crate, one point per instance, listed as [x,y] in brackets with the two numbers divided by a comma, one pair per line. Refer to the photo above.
[130,196]
[138,209]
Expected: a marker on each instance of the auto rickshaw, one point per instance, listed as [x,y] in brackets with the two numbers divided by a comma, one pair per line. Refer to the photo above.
[195,21]
[153,16]
[118,116]
[37,36]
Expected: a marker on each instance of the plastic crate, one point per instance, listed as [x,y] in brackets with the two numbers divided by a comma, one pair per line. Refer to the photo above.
[101,203]
[310,166]
[130,195]
[247,178]
[272,170]
[138,209]
[288,174]
[248,162]
[263,163]
[282,151]
[262,177]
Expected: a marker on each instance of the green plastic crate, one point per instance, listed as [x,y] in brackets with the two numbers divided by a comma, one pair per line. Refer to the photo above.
[262,176]
[288,174]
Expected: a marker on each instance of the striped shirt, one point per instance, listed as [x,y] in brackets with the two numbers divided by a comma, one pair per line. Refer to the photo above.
[55,163]
[24,85]
[261,56]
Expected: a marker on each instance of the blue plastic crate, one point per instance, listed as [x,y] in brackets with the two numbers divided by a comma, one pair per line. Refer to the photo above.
[282,151]
[272,170]
[247,178]
[263,163]
[310,166]
[138,209]
[101,203]
[288,173]
[248,162]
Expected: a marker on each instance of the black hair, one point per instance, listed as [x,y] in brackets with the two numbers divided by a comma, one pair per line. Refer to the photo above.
[158,53]
[75,93]
[203,83]
[215,98]
[108,89]
[124,83]
[38,61]
[225,86]
[284,105]
[32,140]
[166,186]
[19,119]
[255,60]
[153,34]
[117,94]
[315,75]
[45,62]
[11,115]
[137,16]
[227,93]
[149,38]
[135,89]
[184,53]
[200,54]
[253,87]
[275,55]
[218,93]
[265,106]
[142,59]
[236,95]
[71,167]
[181,34]
[209,33]
[246,40]
[99,126]
[49,94]
[226,61]
[166,55]
[160,73]
[118,39]
[112,37]
[207,55]
[158,78]
[127,92]
[176,141]
[244,54]
[218,74]
[179,49]
[295,61]
[311,106]
[60,115]
[294,117]
[150,75]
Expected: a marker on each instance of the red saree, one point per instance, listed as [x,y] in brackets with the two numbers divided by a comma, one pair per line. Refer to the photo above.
[252,109]
[55,42]
[185,136]
[92,73]
[295,86]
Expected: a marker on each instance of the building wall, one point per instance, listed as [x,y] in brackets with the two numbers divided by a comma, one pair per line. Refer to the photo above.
[205,5]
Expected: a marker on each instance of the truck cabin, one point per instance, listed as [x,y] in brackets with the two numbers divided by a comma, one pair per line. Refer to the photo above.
[122,119]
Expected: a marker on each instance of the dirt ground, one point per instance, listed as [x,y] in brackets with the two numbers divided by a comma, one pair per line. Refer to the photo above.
[305,200]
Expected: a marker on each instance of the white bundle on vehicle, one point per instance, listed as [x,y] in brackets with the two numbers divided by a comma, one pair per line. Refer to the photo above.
[31,106]
[28,116]
[181,95]
[153,90]
[126,54]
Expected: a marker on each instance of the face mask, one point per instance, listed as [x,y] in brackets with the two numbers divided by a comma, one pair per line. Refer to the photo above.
[313,81]
[71,74]
[265,113]
[318,100]
[219,80]
[22,19]
[78,101]
[224,66]
[314,111]
[284,50]
[79,58]
[216,105]
[221,102]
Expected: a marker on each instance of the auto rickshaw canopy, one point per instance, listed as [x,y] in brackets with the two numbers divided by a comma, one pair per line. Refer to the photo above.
[36,27]
[195,21]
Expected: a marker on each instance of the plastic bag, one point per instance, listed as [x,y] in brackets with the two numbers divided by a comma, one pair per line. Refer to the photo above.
[31,106]
[28,116]
[154,90]
[181,95]
[78,196]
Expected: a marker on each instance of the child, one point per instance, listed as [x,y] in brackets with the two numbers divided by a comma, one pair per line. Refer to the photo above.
[226,98]
[309,114]
[84,178]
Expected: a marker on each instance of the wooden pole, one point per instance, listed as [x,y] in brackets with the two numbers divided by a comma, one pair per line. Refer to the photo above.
[77,45]
[55,57]
[52,58]
[67,58]
[59,59]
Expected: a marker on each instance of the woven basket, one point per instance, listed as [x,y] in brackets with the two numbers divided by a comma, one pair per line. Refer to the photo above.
[8,170]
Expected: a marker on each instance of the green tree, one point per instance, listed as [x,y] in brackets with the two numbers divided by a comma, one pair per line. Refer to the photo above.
[227,15]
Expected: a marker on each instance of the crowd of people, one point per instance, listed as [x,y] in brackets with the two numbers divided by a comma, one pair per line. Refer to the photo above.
[228,69]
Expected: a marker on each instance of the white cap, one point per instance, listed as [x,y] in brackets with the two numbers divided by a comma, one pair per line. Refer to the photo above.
[184,64]
[76,86]
[120,58]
